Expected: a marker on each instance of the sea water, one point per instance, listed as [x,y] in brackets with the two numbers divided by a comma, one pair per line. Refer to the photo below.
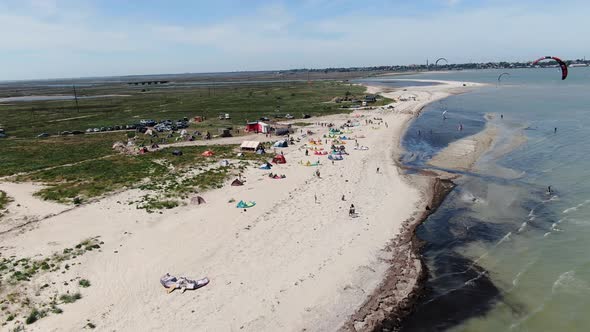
[503,253]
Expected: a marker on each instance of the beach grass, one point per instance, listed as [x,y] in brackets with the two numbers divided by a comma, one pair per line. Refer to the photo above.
[242,102]
[151,171]
[4,200]
[23,153]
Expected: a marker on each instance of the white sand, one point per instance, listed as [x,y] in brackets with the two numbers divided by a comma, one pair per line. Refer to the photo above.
[287,264]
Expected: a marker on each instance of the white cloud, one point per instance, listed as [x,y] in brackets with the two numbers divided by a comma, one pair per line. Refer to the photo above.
[74,42]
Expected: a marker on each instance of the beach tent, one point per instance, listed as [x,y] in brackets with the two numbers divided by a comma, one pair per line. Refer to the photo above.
[224,163]
[266,166]
[197,200]
[279,159]
[177,153]
[208,153]
[260,151]
[251,146]
[281,144]
[335,157]
[237,182]
[245,205]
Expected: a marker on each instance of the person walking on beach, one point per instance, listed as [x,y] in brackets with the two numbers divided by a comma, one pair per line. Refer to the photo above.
[351,211]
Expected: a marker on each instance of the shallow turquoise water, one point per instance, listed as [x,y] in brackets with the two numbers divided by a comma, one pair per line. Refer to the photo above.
[503,254]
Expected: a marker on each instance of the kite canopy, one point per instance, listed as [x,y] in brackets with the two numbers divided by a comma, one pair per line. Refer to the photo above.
[245,205]
[502,75]
[562,64]
[439,59]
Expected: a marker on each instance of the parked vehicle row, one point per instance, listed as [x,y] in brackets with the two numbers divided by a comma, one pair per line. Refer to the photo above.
[142,126]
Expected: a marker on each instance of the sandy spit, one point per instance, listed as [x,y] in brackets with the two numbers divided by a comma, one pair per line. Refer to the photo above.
[291,263]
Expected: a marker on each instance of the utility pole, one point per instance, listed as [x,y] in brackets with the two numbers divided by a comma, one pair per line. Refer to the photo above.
[76,98]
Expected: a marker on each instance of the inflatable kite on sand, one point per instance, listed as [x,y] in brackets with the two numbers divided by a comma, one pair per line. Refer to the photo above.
[308,163]
[245,205]
[171,283]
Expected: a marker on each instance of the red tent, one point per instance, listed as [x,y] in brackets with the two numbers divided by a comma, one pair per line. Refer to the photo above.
[279,159]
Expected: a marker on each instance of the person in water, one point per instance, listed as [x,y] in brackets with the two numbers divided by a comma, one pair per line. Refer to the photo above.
[555,130]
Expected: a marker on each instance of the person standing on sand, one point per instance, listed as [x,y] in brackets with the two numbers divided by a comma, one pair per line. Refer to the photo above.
[377,170]
[351,211]
[315,198]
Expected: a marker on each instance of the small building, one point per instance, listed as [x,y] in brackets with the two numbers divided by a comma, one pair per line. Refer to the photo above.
[257,127]
[250,145]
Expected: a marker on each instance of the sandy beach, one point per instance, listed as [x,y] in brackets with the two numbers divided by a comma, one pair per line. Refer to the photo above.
[295,262]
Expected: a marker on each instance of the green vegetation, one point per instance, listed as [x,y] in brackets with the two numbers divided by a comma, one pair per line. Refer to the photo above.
[152,171]
[16,275]
[80,167]
[13,271]
[4,199]
[243,102]
[34,316]
[24,120]
[84,283]
[25,155]
[382,101]
[70,298]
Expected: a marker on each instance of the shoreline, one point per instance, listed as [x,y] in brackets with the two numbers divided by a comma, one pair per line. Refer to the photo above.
[384,309]
[292,263]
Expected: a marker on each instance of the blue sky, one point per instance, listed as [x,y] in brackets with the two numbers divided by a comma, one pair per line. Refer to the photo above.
[79,38]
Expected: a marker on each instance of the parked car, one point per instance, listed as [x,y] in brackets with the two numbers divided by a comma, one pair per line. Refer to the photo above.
[289,116]
[89,130]
[64,133]
[96,130]
[43,135]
